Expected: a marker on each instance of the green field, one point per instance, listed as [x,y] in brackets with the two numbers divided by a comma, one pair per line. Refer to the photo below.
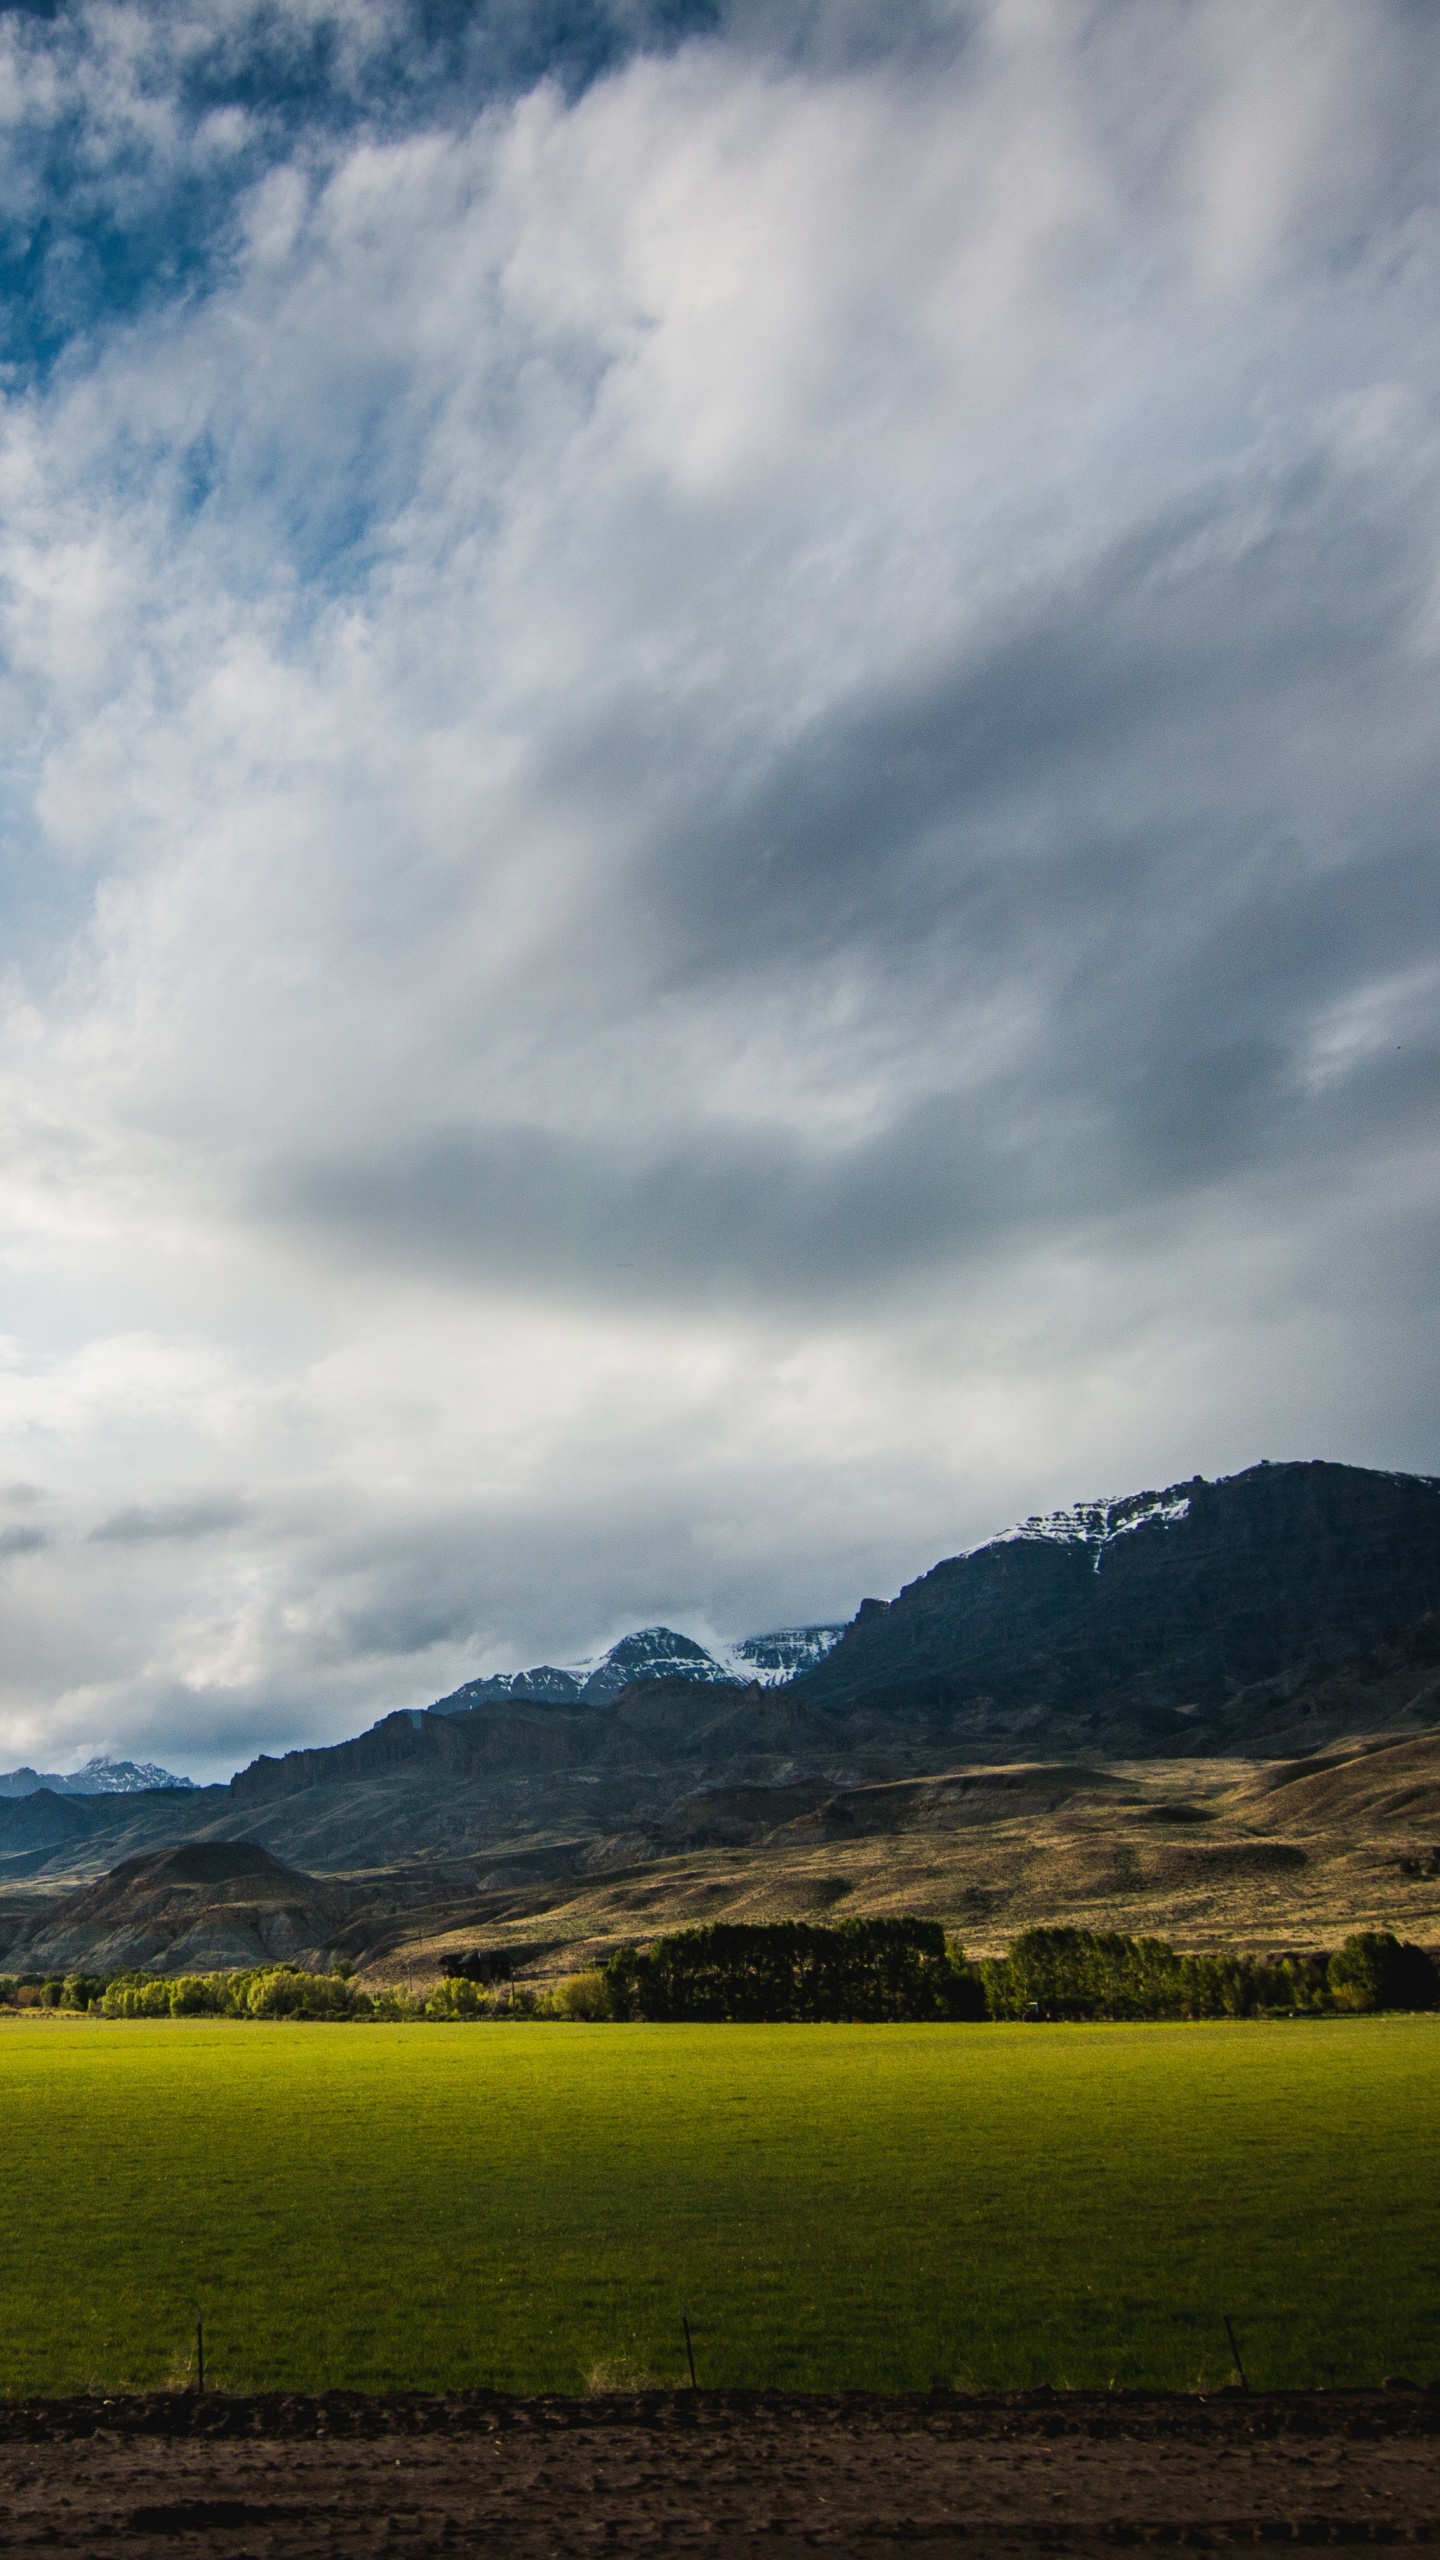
[880,2206]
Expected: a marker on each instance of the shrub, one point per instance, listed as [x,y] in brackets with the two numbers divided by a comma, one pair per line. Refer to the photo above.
[82,1990]
[284,1991]
[403,2006]
[581,1996]
[265,1991]
[796,1970]
[137,1998]
[1086,1973]
[457,1997]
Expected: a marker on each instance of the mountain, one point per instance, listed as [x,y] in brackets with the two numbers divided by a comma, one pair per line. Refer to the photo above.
[1392,1687]
[651,1653]
[649,1726]
[654,1653]
[1289,1853]
[1140,1616]
[1261,1618]
[507,1779]
[198,1908]
[98,1778]
[545,1686]
[44,1833]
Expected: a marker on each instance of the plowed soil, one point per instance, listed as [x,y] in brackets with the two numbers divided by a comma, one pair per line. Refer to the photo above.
[717,2472]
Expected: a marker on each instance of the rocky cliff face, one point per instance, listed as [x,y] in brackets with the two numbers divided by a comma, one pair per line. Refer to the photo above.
[1150,1607]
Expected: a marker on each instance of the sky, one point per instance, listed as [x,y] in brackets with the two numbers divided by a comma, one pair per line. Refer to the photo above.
[718,807]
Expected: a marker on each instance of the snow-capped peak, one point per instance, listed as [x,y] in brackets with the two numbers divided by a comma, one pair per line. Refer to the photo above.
[99,1777]
[651,1653]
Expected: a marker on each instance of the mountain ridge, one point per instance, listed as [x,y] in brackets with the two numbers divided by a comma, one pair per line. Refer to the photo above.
[99,1777]
[648,1653]
[1202,1621]
[1163,1602]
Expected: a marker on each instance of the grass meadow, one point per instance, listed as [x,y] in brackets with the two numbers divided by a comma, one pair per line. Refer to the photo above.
[887,2207]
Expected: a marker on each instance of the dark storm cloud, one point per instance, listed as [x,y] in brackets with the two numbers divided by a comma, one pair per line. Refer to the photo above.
[22,1542]
[1142,729]
[720,1216]
[1186,800]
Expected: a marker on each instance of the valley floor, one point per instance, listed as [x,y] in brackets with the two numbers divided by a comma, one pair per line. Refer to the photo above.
[527,2209]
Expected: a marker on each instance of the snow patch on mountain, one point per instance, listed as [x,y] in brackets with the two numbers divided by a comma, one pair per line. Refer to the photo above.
[1096,1524]
[544,1686]
[782,1654]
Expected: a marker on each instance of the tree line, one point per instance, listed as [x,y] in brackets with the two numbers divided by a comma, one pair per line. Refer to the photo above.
[908,1969]
[867,1970]
[293,1991]
[796,1971]
[1089,1973]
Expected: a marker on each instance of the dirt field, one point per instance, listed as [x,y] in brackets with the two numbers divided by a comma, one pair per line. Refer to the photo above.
[722,2473]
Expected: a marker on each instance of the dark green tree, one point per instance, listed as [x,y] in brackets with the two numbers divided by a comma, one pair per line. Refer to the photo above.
[1375,1970]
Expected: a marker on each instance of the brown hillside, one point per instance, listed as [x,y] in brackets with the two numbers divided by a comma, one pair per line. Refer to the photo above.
[556,1832]
[1386,1785]
[1205,1851]
[198,1908]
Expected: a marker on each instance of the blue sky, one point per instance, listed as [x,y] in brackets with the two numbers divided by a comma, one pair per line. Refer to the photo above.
[717,813]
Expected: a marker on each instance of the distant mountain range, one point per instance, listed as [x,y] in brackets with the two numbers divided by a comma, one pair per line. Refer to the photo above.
[1265,1615]
[652,1653]
[97,1778]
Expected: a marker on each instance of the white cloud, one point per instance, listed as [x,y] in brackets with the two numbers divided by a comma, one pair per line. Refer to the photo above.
[756,775]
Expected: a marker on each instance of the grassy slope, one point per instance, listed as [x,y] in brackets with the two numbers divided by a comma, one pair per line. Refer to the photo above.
[1266,1865]
[838,2206]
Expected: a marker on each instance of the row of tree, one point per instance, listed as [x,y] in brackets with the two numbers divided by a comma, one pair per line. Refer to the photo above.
[289,1991]
[907,1969]
[794,1970]
[1087,1973]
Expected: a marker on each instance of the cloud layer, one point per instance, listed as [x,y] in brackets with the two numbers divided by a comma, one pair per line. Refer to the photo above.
[719,847]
